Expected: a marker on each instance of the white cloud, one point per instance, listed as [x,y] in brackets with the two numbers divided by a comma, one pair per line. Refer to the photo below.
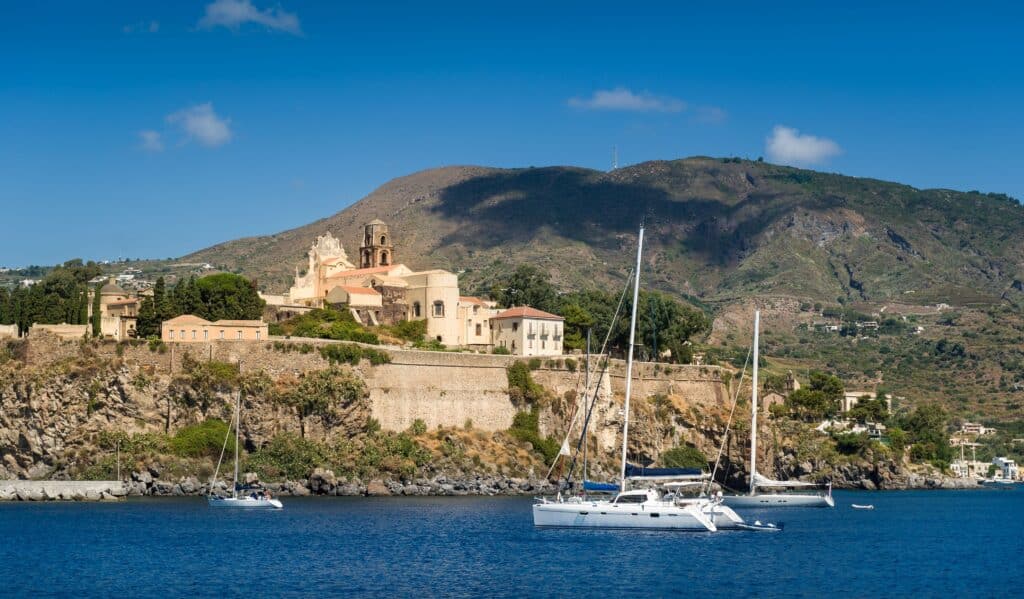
[711,115]
[142,27]
[232,14]
[623,99]
[202,124]
[151,141]
[787,146]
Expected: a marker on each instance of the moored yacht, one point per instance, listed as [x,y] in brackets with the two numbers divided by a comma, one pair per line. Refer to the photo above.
[638,508]
[772,498]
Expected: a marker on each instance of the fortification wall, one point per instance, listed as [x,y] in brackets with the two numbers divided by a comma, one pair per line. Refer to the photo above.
[704,384]
[440,388]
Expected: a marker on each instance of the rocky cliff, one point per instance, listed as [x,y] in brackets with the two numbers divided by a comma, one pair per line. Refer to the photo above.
[77,410]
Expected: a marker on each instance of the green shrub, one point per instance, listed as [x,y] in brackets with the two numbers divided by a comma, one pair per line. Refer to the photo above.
[525,427]
[535,363]
[418,427]
[570,365]
[287,456]
[410,330]
[501,351]
[684,456]
[202,440]
[852,443]
[345,353]
[521,387]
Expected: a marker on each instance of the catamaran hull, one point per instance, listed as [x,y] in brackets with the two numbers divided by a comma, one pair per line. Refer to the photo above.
[773,500]
[588,515]
[244,503]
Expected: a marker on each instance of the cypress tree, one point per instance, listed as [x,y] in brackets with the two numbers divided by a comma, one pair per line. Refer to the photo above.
[96,328]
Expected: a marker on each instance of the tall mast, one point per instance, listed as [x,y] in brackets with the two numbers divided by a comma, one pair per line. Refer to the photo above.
[586,411]
[753,407]
[629,357]
[238,405]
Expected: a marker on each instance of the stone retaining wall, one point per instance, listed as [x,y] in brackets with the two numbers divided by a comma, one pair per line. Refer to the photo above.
[440,388]
[61,490]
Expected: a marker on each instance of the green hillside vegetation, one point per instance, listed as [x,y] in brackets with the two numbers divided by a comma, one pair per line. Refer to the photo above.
[59,297]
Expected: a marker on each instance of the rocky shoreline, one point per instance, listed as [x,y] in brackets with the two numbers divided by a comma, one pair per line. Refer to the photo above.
[149,483]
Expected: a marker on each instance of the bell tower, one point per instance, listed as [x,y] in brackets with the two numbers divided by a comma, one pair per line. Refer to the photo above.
[376,248]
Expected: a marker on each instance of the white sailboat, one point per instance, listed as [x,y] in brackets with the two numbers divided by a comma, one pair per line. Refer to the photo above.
[639,508]
[258,499]
[757,481]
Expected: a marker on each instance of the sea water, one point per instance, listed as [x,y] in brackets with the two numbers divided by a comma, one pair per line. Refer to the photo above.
[913,544]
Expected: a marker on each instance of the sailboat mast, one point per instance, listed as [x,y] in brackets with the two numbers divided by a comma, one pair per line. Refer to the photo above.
[586,411]
[629,357]
[753,406]
[238,405]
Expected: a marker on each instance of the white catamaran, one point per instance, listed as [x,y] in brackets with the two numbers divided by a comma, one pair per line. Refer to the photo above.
[772,498]
[639,508]
[256,499]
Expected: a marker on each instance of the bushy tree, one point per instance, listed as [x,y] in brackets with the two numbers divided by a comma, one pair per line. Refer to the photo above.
[526,286]
[320,393]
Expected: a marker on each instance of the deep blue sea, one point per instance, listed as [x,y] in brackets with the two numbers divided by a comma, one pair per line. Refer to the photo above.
[913,544]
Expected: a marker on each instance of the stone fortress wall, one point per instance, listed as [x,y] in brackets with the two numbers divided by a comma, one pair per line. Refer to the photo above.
[440,388]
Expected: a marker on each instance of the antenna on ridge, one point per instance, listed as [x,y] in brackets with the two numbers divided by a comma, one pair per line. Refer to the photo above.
[615,157]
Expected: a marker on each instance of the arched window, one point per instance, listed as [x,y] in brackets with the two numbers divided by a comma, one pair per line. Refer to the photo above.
[438,309]
[383,240]
[416,310]
[384,258]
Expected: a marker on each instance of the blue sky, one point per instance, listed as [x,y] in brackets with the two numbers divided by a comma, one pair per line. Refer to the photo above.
[151,129]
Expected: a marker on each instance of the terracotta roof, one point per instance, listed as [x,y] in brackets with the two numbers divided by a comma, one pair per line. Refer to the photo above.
[187,319]
[527,312]
[469,299]
[363,271]
[238,323]
[360,290]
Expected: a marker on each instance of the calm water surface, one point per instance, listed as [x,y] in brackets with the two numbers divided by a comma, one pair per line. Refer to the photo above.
[920,544]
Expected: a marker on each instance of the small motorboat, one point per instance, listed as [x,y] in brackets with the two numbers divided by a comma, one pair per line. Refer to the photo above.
[759,527]
[857,506]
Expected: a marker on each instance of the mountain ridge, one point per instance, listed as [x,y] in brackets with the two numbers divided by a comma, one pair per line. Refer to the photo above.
[718,229]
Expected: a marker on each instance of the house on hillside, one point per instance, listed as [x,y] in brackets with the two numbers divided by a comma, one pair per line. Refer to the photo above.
[526,331]
[192,329]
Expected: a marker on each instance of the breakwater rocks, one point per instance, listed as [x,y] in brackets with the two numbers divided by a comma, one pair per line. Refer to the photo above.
[61,490]
[152,482]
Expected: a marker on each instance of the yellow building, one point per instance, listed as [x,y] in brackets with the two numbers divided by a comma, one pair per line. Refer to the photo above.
[192,329]
[119,311]
[526,331]
[404,294]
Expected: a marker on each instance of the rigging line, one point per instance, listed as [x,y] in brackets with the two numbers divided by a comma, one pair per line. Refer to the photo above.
[597,385]
[219,460]
[597,382]
[728,423]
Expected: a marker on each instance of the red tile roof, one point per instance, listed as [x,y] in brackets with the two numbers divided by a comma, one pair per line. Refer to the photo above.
[469,299]
[360,290]
[527,312]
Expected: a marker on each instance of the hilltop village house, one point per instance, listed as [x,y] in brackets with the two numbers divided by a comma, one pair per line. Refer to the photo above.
[379,290]
[193,329]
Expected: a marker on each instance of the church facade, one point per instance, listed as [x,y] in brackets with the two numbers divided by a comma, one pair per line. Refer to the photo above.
[379,290]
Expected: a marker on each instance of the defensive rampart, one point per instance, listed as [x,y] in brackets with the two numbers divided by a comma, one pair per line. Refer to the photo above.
[439,388]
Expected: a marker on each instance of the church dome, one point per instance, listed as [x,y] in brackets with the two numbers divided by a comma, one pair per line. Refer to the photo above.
[112,288]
